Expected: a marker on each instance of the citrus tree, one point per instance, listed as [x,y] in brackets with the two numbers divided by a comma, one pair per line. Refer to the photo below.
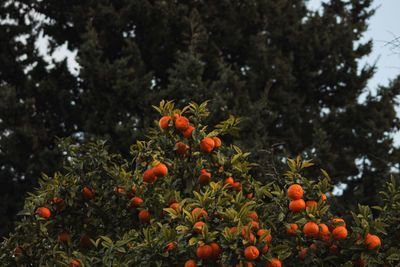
[186,199]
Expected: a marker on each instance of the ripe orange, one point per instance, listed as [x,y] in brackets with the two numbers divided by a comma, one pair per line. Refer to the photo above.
[216,250]
[311,229]
[74,263]
[204,252]
[253,225]
[160,170]
[88,192]
[63,237]
[149,176]
[59,202]
[85,242]
[292,228]
[273,263]
[311,203]
[265,249]
[204,178]
[144,216]
[297,205]
[360,262]
[250,195]
[249,264]
[334,249]
[251,253]
[198,227]
[238,186]
[164,121]
[188,132]
[229,181]
[372,241]
[43,212]
[18,249]
[174,206]
[313,246]
[323,197]
[181,148]
[339,233]
[207,144]
[254,216]
[248,237]
[217,142]
[199,212]
[295,192]
[119,190]
[135,202]
[181,123]
[323,232]
[335,222]
[190,263]
[266,239]
[171,245]
[303,252]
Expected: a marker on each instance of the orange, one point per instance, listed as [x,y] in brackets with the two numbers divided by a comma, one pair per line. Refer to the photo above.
[254,225]
[199,212]
[311,203]
[266,239]
[295,191]
[313,246]
[188,132]
[216,250]
[181,148]
[297,205]
[217,142]
[85,242]
[181,123]
[171,245]
[204,252]
[144,216]
[229,181]
[335,222]
[323,232]
[59,202]
[334,249]
[372,241]
[360,262]
[273,263]
[43,212]
[135,202]
[190,263]
[198,227]
[63,237]
[250,195]
[249,264]
[248,237]
[323,197]
[265,249]
[204,178]
[303,252]
[238,186]
[160,170]
[311,229]
[292,228]
[339,233]
[174,206]
[164,122]
[149,176]
[74,263]
[207,145]
[88,192]
[18,249]
[254,216]
[119,190]
[251,253]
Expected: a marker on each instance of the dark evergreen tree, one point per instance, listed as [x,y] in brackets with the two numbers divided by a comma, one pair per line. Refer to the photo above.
[290,73]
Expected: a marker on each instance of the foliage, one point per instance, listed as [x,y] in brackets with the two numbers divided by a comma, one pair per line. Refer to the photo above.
[120,238]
